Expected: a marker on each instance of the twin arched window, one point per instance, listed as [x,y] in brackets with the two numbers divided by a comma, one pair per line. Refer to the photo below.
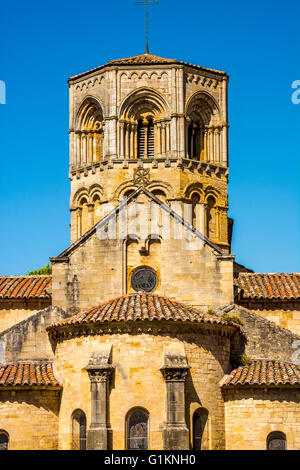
[4,440]
[137,429]
[78,430]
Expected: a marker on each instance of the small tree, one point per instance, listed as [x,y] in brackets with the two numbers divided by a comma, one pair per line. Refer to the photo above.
[40,272]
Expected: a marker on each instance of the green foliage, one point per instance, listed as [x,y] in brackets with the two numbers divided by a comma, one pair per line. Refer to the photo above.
[244,360]
[230,319]
[41,272]
[211,311]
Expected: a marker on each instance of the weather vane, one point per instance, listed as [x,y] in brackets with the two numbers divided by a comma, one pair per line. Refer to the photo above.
[146,4]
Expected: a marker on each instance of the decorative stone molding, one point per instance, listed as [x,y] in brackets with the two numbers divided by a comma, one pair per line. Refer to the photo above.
[100,373]
[175,371]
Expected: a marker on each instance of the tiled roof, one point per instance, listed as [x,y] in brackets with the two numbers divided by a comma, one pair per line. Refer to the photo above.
[28,374]
[142,59]
[263,372]
[285,286]
[146,59]
[138,307]
[25,287]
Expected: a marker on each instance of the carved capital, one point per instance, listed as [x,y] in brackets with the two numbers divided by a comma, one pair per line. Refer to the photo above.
[97,375]
[175,374]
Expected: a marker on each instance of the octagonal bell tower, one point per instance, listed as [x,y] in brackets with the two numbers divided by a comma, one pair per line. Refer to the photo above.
[160,115]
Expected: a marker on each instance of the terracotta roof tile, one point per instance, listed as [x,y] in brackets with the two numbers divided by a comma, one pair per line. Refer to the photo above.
[285,286]
[146,59]
[26,373]
[25,287]
[263,372]
[138,307]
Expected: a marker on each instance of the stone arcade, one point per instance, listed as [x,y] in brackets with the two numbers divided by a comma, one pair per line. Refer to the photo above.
[148,334]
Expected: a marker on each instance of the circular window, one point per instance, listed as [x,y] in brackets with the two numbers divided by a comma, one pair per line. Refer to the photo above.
[144,279]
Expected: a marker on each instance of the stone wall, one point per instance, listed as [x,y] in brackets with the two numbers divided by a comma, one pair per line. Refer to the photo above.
[138,381]
[29,339]
[261,338]
[285,314]
[251,414]
[99,269]
[30,417]
[15,311]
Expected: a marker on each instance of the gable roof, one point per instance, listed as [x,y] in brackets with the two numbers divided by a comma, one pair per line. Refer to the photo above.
[25,287]
[146,59]
[139,306]
[103,222]
[34,374]
[279,286]
[263,373]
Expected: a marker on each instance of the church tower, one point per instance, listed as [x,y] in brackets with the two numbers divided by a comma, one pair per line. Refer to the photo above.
[150,134]
[156,116]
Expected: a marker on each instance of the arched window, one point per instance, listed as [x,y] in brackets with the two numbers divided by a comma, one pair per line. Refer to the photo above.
[96,209]
[4,440]
[276,441]
[78,430]
[84,211]
[211,218]
[195,198]
[199,421]
[137,430]
[159,194]
[195,140]
[145,138]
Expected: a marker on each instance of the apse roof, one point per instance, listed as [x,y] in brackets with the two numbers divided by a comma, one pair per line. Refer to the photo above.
[139,306]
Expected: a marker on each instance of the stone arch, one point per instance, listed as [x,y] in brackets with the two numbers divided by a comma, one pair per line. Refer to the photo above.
[194,188]
[79,194]
[89,114]
[89,131]
[157,185]
[203,127]
[146,100]
[144,124]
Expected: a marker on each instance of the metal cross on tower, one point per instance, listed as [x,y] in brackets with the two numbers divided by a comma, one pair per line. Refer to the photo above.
[146,4]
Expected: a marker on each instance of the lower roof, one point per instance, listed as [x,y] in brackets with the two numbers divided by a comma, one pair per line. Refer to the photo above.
[262,372]
[268,286]
[25,287]
[29,374]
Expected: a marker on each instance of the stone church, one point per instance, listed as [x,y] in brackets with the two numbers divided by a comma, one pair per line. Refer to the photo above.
[148,334]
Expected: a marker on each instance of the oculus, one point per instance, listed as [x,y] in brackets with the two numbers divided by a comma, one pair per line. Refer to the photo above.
[144,279]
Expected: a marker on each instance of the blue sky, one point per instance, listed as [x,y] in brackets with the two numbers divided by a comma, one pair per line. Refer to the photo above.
[45,42]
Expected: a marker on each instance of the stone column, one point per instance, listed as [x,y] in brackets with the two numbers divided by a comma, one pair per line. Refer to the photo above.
[158,125]
[78,148]
[175,432]
[99,434]
[122,139]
